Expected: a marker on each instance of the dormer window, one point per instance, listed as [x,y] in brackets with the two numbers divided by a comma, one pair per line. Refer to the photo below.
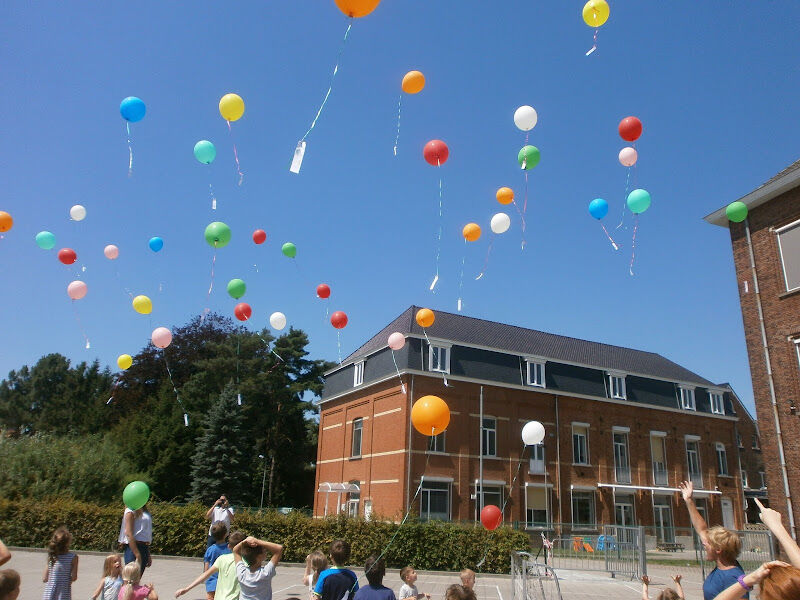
[717,405]
[687,398]
[616,386]
[358,373]
[439,358]
[535,372]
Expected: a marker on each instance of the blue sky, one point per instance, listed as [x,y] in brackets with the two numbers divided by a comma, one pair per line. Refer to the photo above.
[715,84]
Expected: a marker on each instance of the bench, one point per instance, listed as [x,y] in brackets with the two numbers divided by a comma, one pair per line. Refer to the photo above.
[670,546]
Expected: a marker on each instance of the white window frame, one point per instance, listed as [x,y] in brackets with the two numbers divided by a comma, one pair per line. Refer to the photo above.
[778,233]
[745,483]
[536,465]
[589,526]
[661,436]
[425,494]
[436,441]
[739,442]
[585,436]
[619,392]
[439,368]
[489,434]
[756,442]
[358,426]
[718,408]
[685,394]
[693,439]
[763,476]
[358,373]
[623,433]
[722,459]
[535,367]
[547,507]
[797,350]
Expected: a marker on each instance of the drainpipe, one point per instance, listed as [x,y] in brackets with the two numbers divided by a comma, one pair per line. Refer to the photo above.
[408,459]
[558,462]
[778,433]
[479,503]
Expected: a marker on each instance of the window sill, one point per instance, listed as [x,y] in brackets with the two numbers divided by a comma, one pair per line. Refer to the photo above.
[438,453]
[354,458]
[578,527]
[541,386]
[724,476]
[439,371]
[581,464]
[789,293]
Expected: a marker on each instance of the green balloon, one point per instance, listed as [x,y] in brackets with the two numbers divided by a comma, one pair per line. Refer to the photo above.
[528,157]
[236,288]
[205,152]
[736,211]
[136,495]
[289,249]
[45,240]
[218,234]
[638,201]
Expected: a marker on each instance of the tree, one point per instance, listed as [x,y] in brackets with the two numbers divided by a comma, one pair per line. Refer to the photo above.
[220,465]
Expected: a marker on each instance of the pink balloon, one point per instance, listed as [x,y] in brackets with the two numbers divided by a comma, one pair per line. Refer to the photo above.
[397,340]
[162,337]
[77,290]
[111,252]
[628,156]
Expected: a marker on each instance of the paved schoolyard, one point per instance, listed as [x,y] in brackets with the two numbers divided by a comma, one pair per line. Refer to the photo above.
[168,574]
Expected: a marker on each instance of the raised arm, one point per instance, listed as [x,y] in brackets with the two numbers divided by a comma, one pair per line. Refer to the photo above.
[5,555]
[237,549]
[210,511]
[678,587]
[128,521]
[645,583]
[699,523]
[206,574]
[772,519]
[99,589]
[275,549]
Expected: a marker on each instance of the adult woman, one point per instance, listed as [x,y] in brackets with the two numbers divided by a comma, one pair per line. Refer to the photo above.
[135,535]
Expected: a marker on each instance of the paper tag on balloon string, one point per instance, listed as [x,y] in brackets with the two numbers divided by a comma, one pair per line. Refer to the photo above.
[434,282]
[88,344]
[459,305]
[185,420]
[297,159]
[594,47]
[239,399]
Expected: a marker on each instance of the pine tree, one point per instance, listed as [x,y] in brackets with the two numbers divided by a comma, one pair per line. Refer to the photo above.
[219,465]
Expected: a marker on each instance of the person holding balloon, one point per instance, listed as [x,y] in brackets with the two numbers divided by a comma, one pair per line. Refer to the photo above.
[136,530]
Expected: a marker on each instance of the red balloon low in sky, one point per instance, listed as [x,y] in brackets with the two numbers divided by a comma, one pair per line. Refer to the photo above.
[323,290]
[259,236]
[630,128]
[436,152]
[243,311]
[491,517]
[339,320]
[67,256]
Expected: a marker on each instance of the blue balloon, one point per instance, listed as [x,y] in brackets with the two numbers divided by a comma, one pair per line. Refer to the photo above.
[156,244]
[598,208]
[132,109]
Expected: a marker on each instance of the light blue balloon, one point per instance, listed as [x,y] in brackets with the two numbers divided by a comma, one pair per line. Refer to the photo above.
[45,240]
[156,244]
[598,208]
[132,109]
[205,152]
[638,201]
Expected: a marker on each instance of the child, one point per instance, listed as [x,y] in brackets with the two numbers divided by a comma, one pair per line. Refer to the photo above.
[375,569]
[468,579]
[459,592]
[111,582]
[408,589]
[219,531]
[62,567]
[666,593]
[315,564]
[131,590]
[337,583]
[9,584]
[255,580]
[227,585]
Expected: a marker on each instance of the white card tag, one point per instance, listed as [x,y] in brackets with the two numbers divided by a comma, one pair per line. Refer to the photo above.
[297,159]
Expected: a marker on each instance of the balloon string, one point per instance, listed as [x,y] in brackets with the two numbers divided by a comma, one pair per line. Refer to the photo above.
[633,242]
[339,344]
[113,389]
[486,260]
[444,375]
[610,239]
[130,149]
[525,204]
[625,199]
[174,389]
[211,285]
[594,47]
[235,154]
[119,280]
[80,325]
[333,76]
[439,236]
[397,137]
[402,385]
[461,276]
[213,197]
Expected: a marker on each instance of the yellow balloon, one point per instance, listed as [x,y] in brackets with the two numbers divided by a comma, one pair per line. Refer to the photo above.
[595,12]
[124,361]
[231,107]
[143,305]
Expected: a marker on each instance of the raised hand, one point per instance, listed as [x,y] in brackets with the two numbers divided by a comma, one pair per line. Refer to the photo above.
[687,489]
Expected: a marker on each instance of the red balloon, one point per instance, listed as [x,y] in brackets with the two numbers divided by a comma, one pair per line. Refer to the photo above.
[436,152]
[339,320]
[243,311]
[67,256]
[323,290]
[259,236]
[630,128]
[491,517]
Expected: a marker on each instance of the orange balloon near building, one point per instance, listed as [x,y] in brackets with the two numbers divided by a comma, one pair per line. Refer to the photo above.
[357,8]
[505,195]
[471,232]
[425,317]
[430,415]
[413,82]
[6,222]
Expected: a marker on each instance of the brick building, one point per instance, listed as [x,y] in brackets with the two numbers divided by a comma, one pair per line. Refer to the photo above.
[623,428]
[766,254]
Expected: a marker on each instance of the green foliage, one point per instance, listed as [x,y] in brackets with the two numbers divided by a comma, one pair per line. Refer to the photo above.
[181,531]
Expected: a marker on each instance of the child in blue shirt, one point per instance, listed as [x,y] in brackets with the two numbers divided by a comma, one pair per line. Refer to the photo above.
[219,532]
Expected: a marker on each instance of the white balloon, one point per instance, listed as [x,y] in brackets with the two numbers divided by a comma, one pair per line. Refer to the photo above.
[533,433]
[77,213]
[277,320]
[525,118]
[500,223]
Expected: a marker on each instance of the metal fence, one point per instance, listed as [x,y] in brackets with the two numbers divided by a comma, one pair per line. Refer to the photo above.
[617,550]
[532,580]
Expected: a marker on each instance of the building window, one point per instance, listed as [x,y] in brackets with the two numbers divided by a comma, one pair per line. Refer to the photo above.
[717,406]
[537,513]
[492,494]
[489,436]
[439,359]
[583,509]
[537,464]
[789,249]
[659,455]
[438,443]
[693,463]
[756,445]
[797,350]
[353,498]
[580,444]
[702,508]
[358,426]
[616,386]
[739,440]
[535,373]
[687,398]
[358,373]
[722,459]
[763,477]
[622,467]
[434,501]
[744,479]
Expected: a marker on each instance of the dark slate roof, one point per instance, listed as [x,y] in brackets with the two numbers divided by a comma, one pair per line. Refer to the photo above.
[518,340]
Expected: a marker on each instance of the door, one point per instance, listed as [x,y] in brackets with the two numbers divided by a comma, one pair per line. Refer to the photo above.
[623,512]
[663,521]
[727,514]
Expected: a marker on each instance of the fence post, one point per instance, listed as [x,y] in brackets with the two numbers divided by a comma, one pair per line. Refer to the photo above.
[642,552]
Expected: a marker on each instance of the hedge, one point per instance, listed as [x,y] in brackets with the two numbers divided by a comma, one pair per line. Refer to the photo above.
[182,531]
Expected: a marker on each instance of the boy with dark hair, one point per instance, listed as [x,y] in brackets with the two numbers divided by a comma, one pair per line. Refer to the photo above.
[375,569]
[337,583]
[219,531]
[255,577]
[224,568]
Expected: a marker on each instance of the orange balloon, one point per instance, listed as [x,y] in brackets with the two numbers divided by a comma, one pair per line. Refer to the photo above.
[430,415]
[505,195]
[413,82]
[5,221]
[425,317]
[471,232]
[357,8]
